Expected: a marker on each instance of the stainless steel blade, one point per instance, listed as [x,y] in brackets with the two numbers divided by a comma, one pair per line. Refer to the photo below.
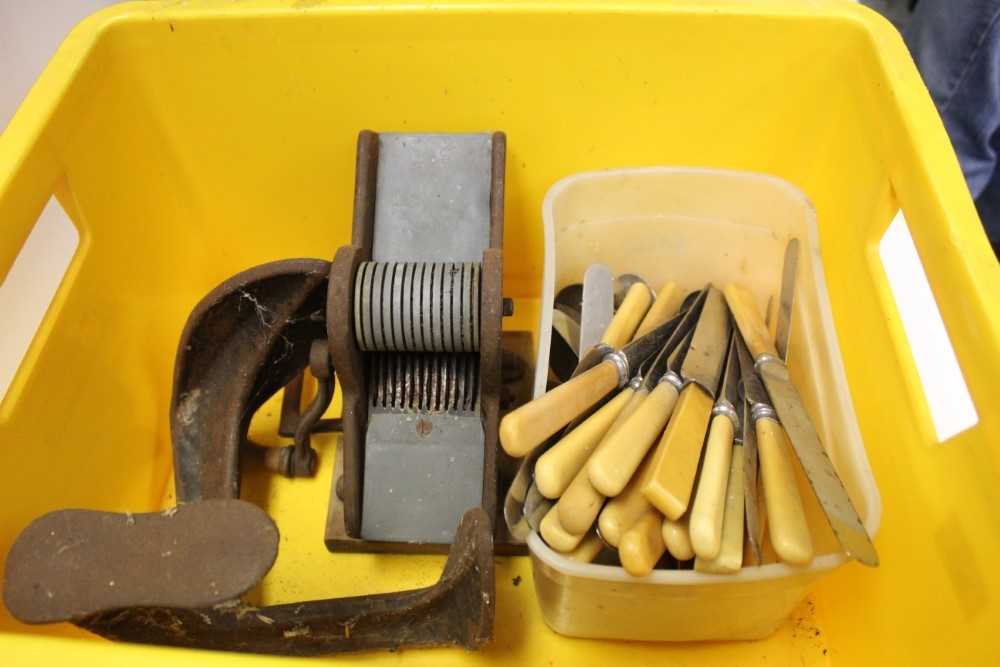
[819,470]
[704,359]
[784,324]
[640,350]
[564,354]
[569,300]
[566,327]
[676,359]
[754,529]
[598,304]
[753,390]
[536,506]
[730,391]
[513,502]
[676,345]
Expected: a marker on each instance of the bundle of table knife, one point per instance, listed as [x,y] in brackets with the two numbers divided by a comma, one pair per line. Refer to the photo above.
[653,446]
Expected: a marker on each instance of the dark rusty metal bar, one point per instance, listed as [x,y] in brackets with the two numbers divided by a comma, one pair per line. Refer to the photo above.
[457,610]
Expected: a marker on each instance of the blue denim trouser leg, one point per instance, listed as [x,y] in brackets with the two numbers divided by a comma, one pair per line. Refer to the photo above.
[956,45]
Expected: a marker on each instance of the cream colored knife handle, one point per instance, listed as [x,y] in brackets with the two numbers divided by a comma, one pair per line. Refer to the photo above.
[558,466]
[624,509]
[676,461]
[579,505]
[746,312]
[676,537]
[627,317]
[730,557]
[556,536]
[633,404]
[786,517]
[668,300]
[529,425]
[710,499]
[587,550]
[642,544]
[612,467]
[580,502]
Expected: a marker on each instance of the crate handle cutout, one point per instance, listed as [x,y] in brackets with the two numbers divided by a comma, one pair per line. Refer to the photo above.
[31,284]
[951,408]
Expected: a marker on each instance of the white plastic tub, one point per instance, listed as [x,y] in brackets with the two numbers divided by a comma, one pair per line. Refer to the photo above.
[695,226]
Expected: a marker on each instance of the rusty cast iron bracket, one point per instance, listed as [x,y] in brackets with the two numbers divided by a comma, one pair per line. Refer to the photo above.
[243,342]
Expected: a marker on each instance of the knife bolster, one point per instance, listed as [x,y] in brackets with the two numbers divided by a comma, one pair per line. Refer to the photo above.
[618,358]
[724,407]
[674,379]
[763,411]
[766,358]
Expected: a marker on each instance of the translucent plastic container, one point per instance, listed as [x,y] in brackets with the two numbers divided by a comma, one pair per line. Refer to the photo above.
[695,226]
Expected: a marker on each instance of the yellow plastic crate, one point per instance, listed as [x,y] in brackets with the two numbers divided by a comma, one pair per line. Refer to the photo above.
[189,141]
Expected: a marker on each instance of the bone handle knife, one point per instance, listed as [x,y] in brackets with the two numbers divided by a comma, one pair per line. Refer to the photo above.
[743,306]
[587,550]
[642,545]
[524,428]
[558,466]
[581,502]
[730,556]
[786,519]
[556,536]
[531,424]
[677,538]
[679,451]
[628,316]
[613,466]
[676,461]
[707,513]
[624,509]
[668,301]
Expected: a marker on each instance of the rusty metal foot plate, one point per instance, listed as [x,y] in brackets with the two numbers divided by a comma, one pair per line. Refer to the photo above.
[71,564]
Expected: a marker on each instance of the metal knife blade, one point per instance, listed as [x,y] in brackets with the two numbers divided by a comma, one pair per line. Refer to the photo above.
[517,493]
[641,349]
[754,529]
[707,353]
[754,394]
[564,353]
[676,345]
[827,485]
[676,359]
[819,470]
[730,391]
[753,390]
[783,326]
[568,300]
[597,305]
[536,506]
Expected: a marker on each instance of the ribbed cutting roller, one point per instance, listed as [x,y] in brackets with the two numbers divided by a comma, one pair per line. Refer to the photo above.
[425,382]
[417,306]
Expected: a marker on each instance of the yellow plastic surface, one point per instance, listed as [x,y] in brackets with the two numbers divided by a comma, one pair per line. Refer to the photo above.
[188,141]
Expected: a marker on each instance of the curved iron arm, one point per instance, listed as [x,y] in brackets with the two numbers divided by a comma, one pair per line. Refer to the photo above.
[242,343]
